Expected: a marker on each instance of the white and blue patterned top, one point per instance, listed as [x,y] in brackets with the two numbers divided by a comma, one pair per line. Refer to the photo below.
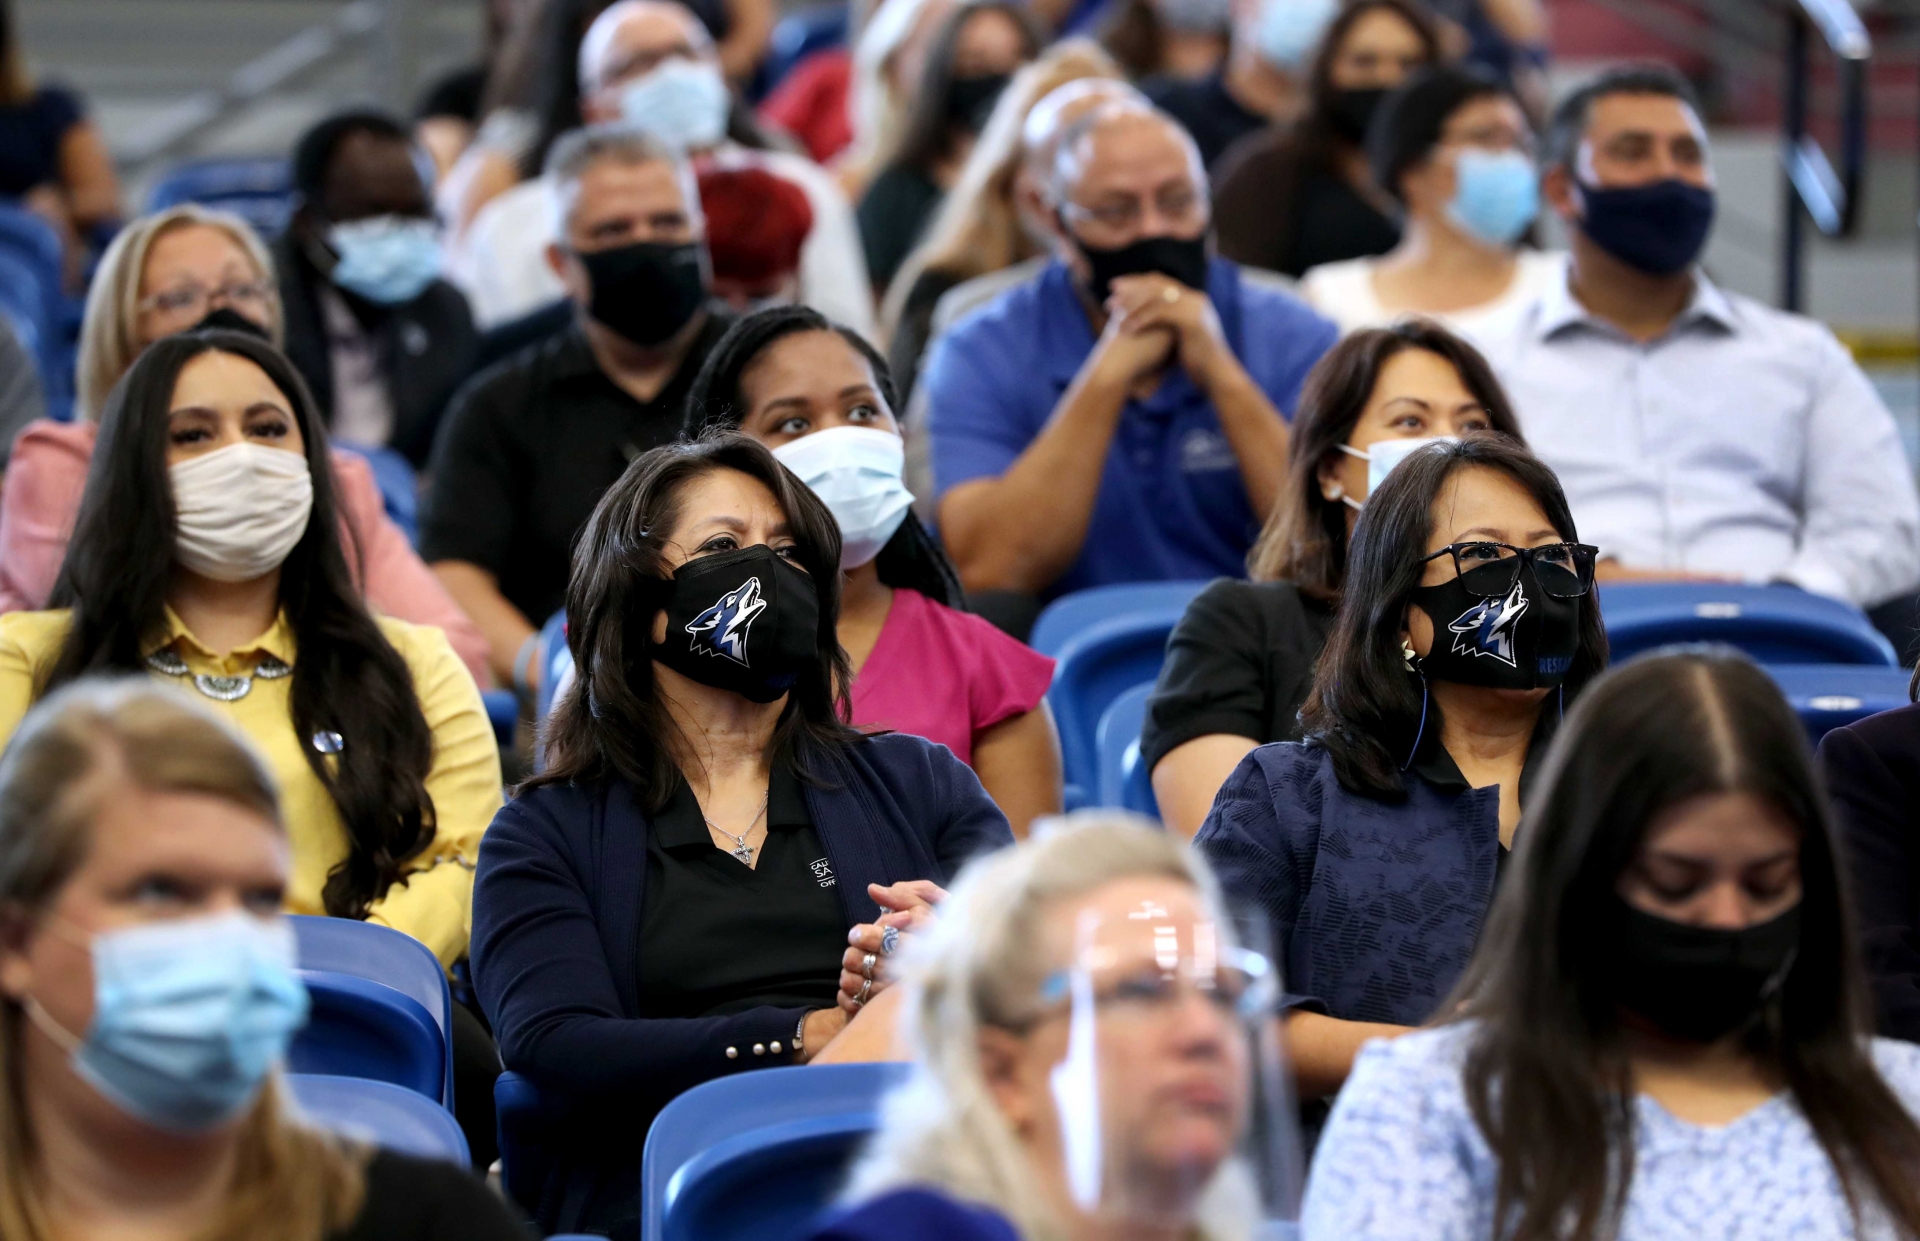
[1401,1157]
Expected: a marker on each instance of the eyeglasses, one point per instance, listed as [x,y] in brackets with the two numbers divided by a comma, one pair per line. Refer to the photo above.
[1489,570]
[197,297]
[1179,206]
[1242,985]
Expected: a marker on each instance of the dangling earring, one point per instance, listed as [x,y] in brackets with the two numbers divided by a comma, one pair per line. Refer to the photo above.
[1406,653]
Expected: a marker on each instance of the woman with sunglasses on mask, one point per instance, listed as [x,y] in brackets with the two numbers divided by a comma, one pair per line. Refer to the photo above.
[1466,624]
[822,399]
[170,272]
[1663,1035]
[673,898]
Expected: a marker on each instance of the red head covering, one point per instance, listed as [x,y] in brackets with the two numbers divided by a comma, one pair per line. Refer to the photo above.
[756,224]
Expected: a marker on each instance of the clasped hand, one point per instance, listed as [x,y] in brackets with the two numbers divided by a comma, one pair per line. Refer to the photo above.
[1153,318]
[908,906]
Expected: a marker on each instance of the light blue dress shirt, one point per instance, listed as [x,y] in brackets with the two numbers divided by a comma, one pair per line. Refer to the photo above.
[1744,442]
[1402,1159]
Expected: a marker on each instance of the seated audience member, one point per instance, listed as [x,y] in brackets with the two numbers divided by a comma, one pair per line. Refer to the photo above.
[1257,85]
[207,553]
[651,64]
[1453,148]
[1661,1033]
[530,445]
[23,398]
[1169,38]
[1508,38]
[1296,196]
[381,340]
[756,224]
[889,58]
[821,397]
[1872,772]
[1698,433]
[810,104]
[53,160]
[177,269]
[1118,418]
[148,998]
[974,54]
[647,915]
[1240,662]
[1465,623]
[990,228]
[980,1143]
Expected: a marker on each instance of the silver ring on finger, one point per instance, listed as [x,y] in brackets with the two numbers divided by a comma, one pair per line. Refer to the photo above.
[866,990]
[866,967]
[889,940]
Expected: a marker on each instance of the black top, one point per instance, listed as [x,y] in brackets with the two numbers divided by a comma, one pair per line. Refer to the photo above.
[893,213]
[412,1199]
[527,450]
[1239,662]
[30,137]
[1210,113]
[1872,770]
[456,95]
[720,937]
[1266,216]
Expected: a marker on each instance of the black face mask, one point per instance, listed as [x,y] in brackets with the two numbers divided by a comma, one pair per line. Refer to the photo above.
[646,291]
[1351,112]
[1523,638]
[744,621]
[1697,982]
[227,319]
[1658,229]
[1185,261]
[970,100]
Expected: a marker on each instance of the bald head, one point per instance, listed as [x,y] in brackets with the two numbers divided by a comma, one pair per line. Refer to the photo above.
[632,38]
[1125,142]
[1061,107]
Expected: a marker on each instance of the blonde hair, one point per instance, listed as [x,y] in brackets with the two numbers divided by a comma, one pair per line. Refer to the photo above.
[74,751]
[978,966]
[109,332]
[977,229]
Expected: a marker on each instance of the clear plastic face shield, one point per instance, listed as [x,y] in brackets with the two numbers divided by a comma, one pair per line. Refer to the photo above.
[1173,1102]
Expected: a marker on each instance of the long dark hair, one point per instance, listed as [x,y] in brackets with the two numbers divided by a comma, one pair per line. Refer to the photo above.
[1364,708]
[1412,118]
[911,559]
[1305,538]
[612,725]
[929,134]
[346,677]
[1547,1077]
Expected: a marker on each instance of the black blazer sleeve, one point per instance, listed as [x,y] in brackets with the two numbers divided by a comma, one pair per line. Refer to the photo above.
[1872,771]
[1214,679]
[973,824]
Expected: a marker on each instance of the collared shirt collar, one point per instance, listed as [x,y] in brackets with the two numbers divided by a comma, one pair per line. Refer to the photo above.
[1559,310]
[680,824]
[277,641]
[1432,763]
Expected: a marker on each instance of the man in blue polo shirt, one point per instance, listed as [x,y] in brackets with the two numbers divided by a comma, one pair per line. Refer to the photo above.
[1118,418]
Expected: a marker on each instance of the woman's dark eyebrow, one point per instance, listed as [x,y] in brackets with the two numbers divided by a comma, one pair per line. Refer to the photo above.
[201,411]
[268,407]
[1421,401]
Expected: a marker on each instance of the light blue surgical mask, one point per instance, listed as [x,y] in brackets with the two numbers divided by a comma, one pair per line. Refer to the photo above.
[387,259]
[682,103]
[1384,455]
[857,473]
[1288,30]
[1496,194]
[188,1017]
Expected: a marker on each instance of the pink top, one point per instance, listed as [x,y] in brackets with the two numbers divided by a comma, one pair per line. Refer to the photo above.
[48,472]
[945,675]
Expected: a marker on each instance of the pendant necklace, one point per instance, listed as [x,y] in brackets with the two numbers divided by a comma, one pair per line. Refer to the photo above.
[167,662]
[741,849]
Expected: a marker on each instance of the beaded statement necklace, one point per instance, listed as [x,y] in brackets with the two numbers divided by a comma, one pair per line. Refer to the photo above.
[219,688]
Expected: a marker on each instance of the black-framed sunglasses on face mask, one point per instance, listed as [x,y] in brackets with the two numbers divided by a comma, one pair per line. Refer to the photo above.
[1489,570]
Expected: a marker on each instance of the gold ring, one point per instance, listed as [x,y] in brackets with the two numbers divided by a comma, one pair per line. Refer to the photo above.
[1169,295]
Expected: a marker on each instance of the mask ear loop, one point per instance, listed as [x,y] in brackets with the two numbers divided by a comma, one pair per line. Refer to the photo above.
[1421,734]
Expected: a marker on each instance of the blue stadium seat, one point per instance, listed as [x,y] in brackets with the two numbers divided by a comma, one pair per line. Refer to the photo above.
[380,1114]
[503,712]
[397,963]
[259,191]
[754,1156]
[555,660]
[361,1028]
[1118,742]
[1774,624]
[399,485]
[525,1120]
[1827,696]
[797,36]
[1098,664]
[33,278]
[1069,614]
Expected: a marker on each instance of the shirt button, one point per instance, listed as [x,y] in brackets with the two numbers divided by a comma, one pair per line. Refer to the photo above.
[733,1053]
[774,1047]
[759,1049]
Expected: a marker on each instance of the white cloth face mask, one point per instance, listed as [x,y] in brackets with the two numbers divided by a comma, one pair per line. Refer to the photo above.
[239,510]
[1385,454]
[857,473]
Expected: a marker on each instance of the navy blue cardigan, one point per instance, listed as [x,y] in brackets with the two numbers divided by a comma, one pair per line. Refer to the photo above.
[557,912]
[1374,906]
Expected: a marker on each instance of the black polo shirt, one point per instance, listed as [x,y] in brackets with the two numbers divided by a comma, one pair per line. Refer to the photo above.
[527,450]
[720,937]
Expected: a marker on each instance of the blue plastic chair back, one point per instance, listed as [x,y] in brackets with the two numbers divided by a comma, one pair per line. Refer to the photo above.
[525,1121]
[361,1028]
[381,1115]
[1096,666]
[754,1156]
[259,191]
[1070,614]
[1118,741]
[395,961]
[1828,696]
[1774,624]
[32,297]
[555,661]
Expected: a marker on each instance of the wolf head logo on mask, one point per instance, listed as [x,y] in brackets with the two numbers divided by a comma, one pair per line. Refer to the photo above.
[1487,627]
[722,629]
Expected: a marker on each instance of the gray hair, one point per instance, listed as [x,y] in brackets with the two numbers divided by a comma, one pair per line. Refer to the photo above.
[621,142]
[1069,155]
[977,966]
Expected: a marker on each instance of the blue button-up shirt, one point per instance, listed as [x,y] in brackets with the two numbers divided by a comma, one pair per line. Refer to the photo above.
[1172,504]
[1742,442]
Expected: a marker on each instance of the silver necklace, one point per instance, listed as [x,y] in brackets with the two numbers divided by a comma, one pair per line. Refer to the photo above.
[167,662]
[741,849]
